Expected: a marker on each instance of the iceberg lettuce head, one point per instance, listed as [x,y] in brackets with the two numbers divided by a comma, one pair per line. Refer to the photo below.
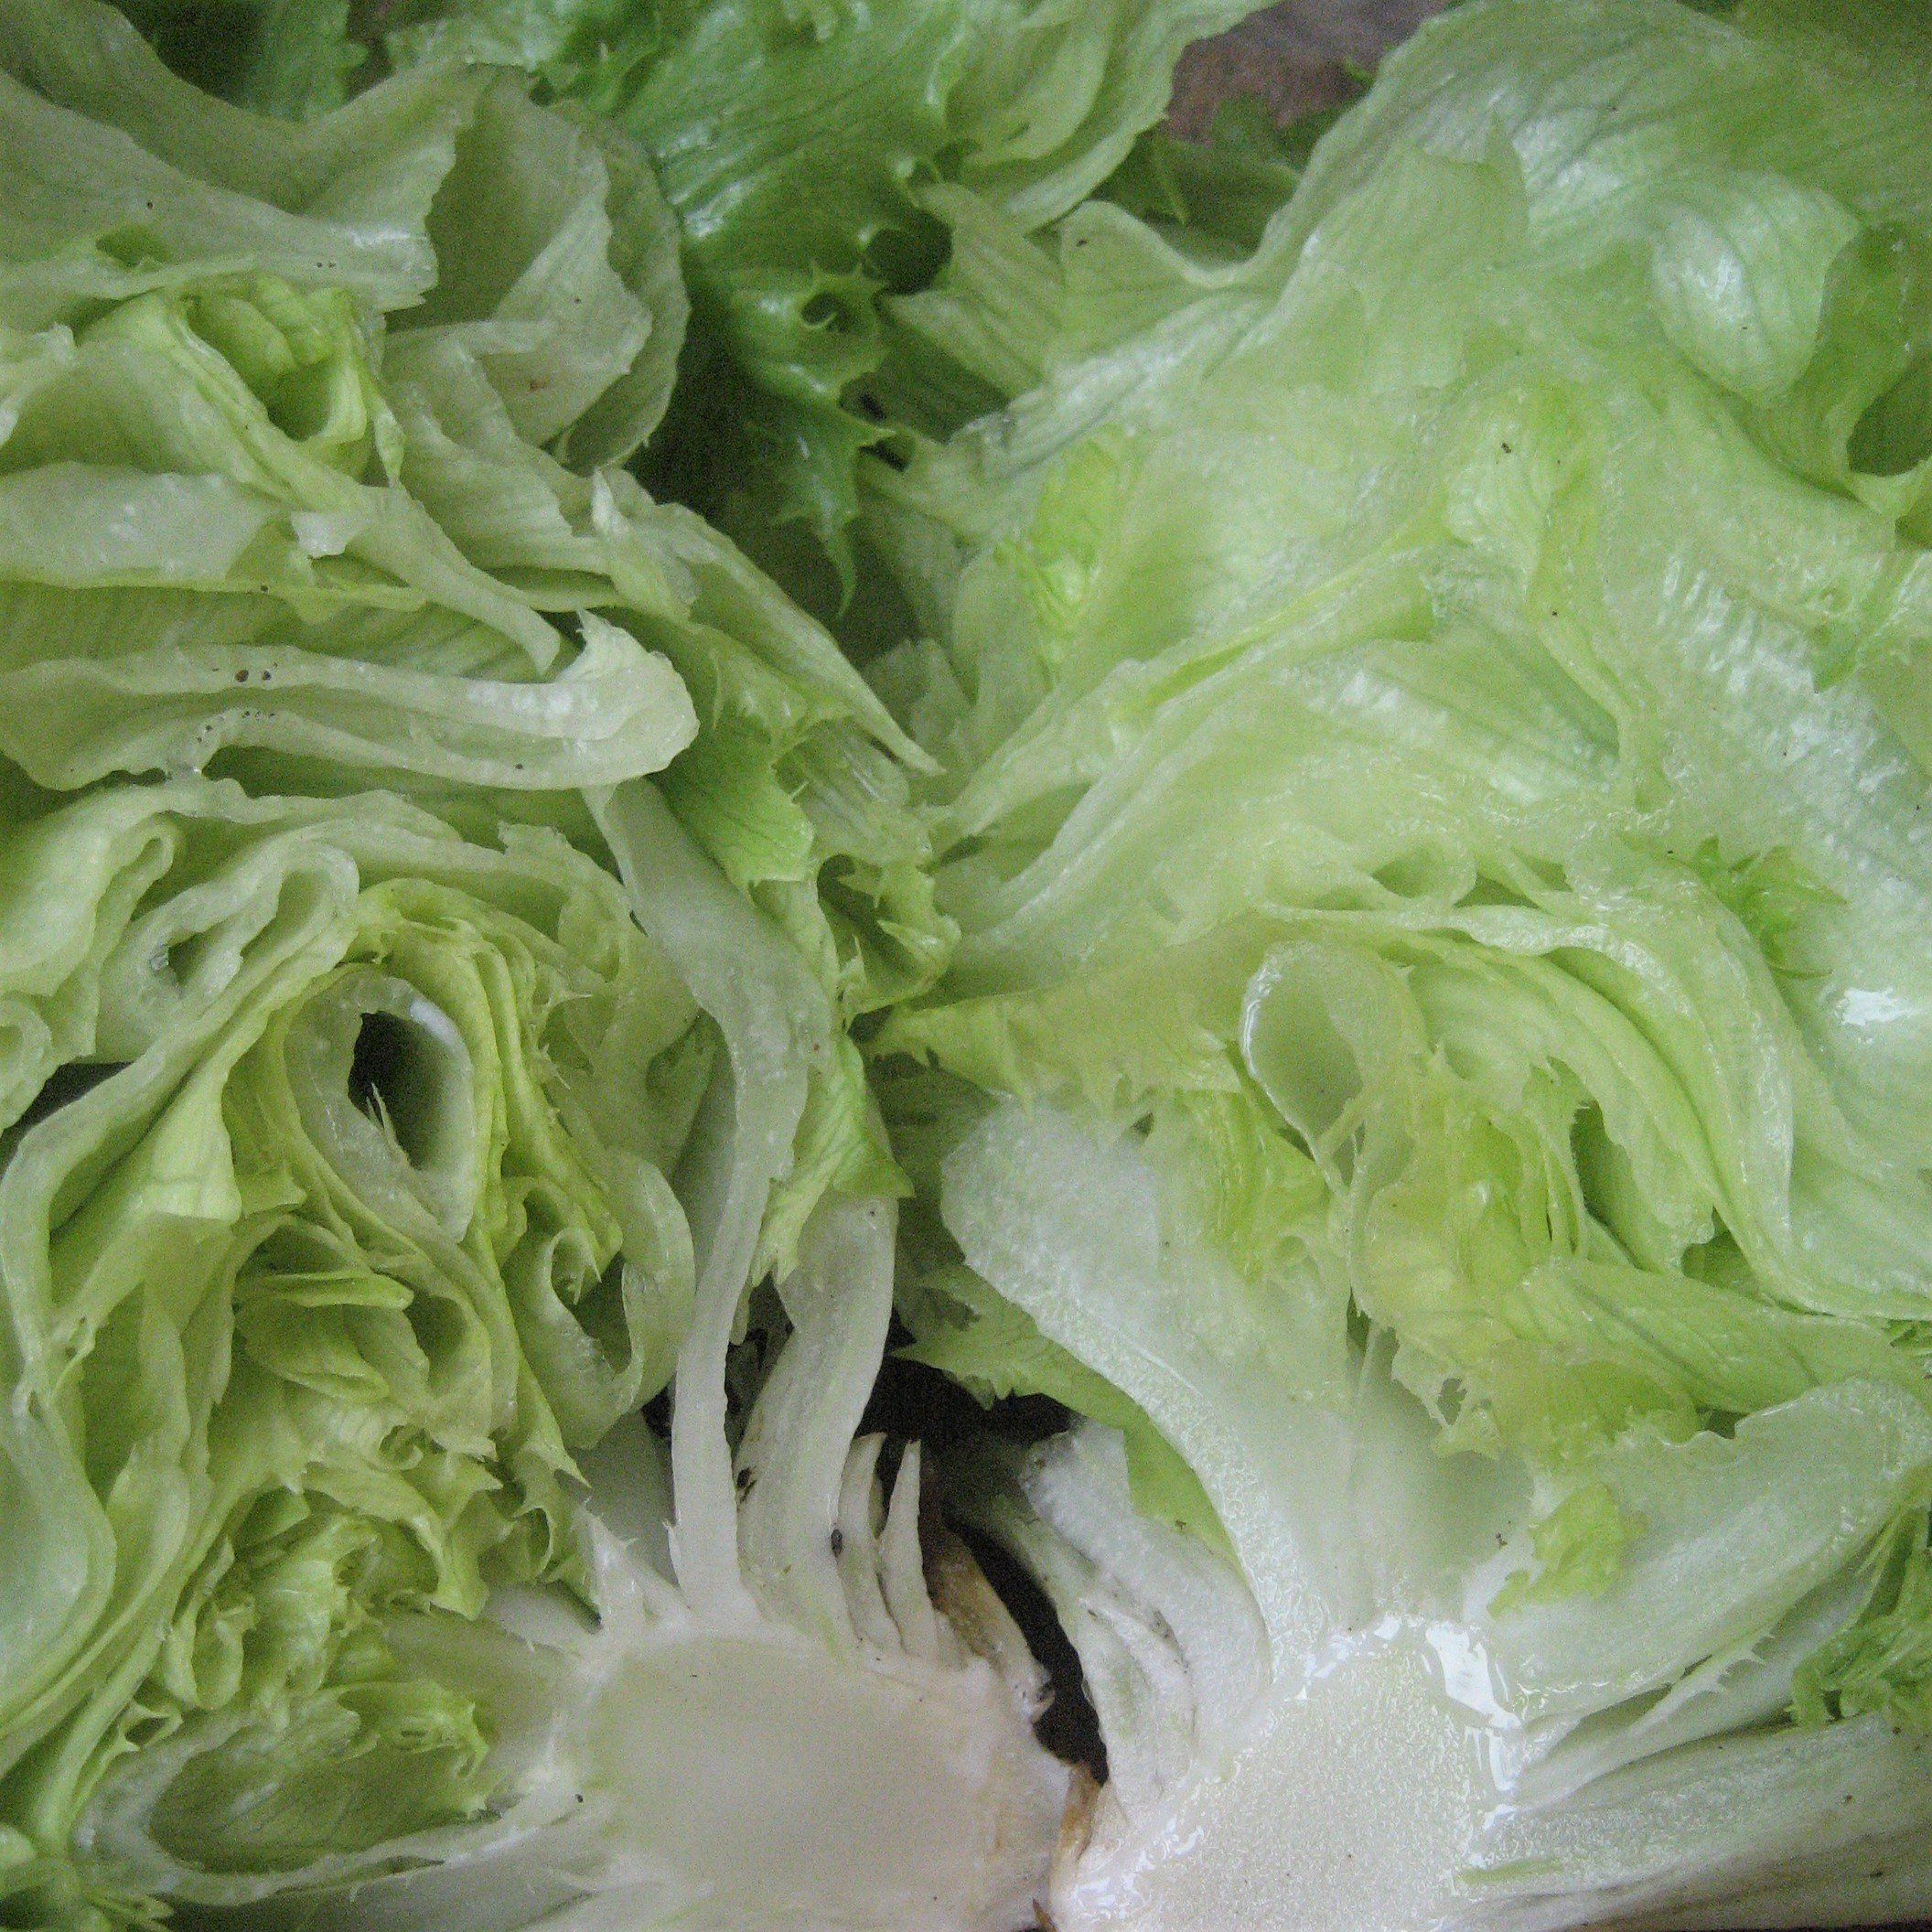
[363,1183]
[370,1159]
[1435,804]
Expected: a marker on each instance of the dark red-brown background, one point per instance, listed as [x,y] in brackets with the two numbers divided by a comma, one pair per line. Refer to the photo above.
[1295,56]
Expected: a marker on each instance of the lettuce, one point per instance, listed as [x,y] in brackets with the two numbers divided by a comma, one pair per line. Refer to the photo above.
[1374,878]
[313,453]
[364,1181]
[370,1158]
[1434,792]
[819,158]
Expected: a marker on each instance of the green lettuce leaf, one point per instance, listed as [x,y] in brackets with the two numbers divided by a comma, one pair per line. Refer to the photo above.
[1222,190]
[1578,1549]
[1882,1664]
[816,157]
[289,412]
[288,58]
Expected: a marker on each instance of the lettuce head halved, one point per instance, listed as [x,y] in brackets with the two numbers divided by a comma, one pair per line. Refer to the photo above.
[370,1160]
[362,1182]
[1434,799]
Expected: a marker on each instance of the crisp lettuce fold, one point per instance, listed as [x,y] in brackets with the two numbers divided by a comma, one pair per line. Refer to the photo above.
[275,393]
[1433,793]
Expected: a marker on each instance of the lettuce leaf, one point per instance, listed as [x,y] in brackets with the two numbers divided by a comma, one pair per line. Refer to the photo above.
[288,58]
[819,159]
[274,395]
